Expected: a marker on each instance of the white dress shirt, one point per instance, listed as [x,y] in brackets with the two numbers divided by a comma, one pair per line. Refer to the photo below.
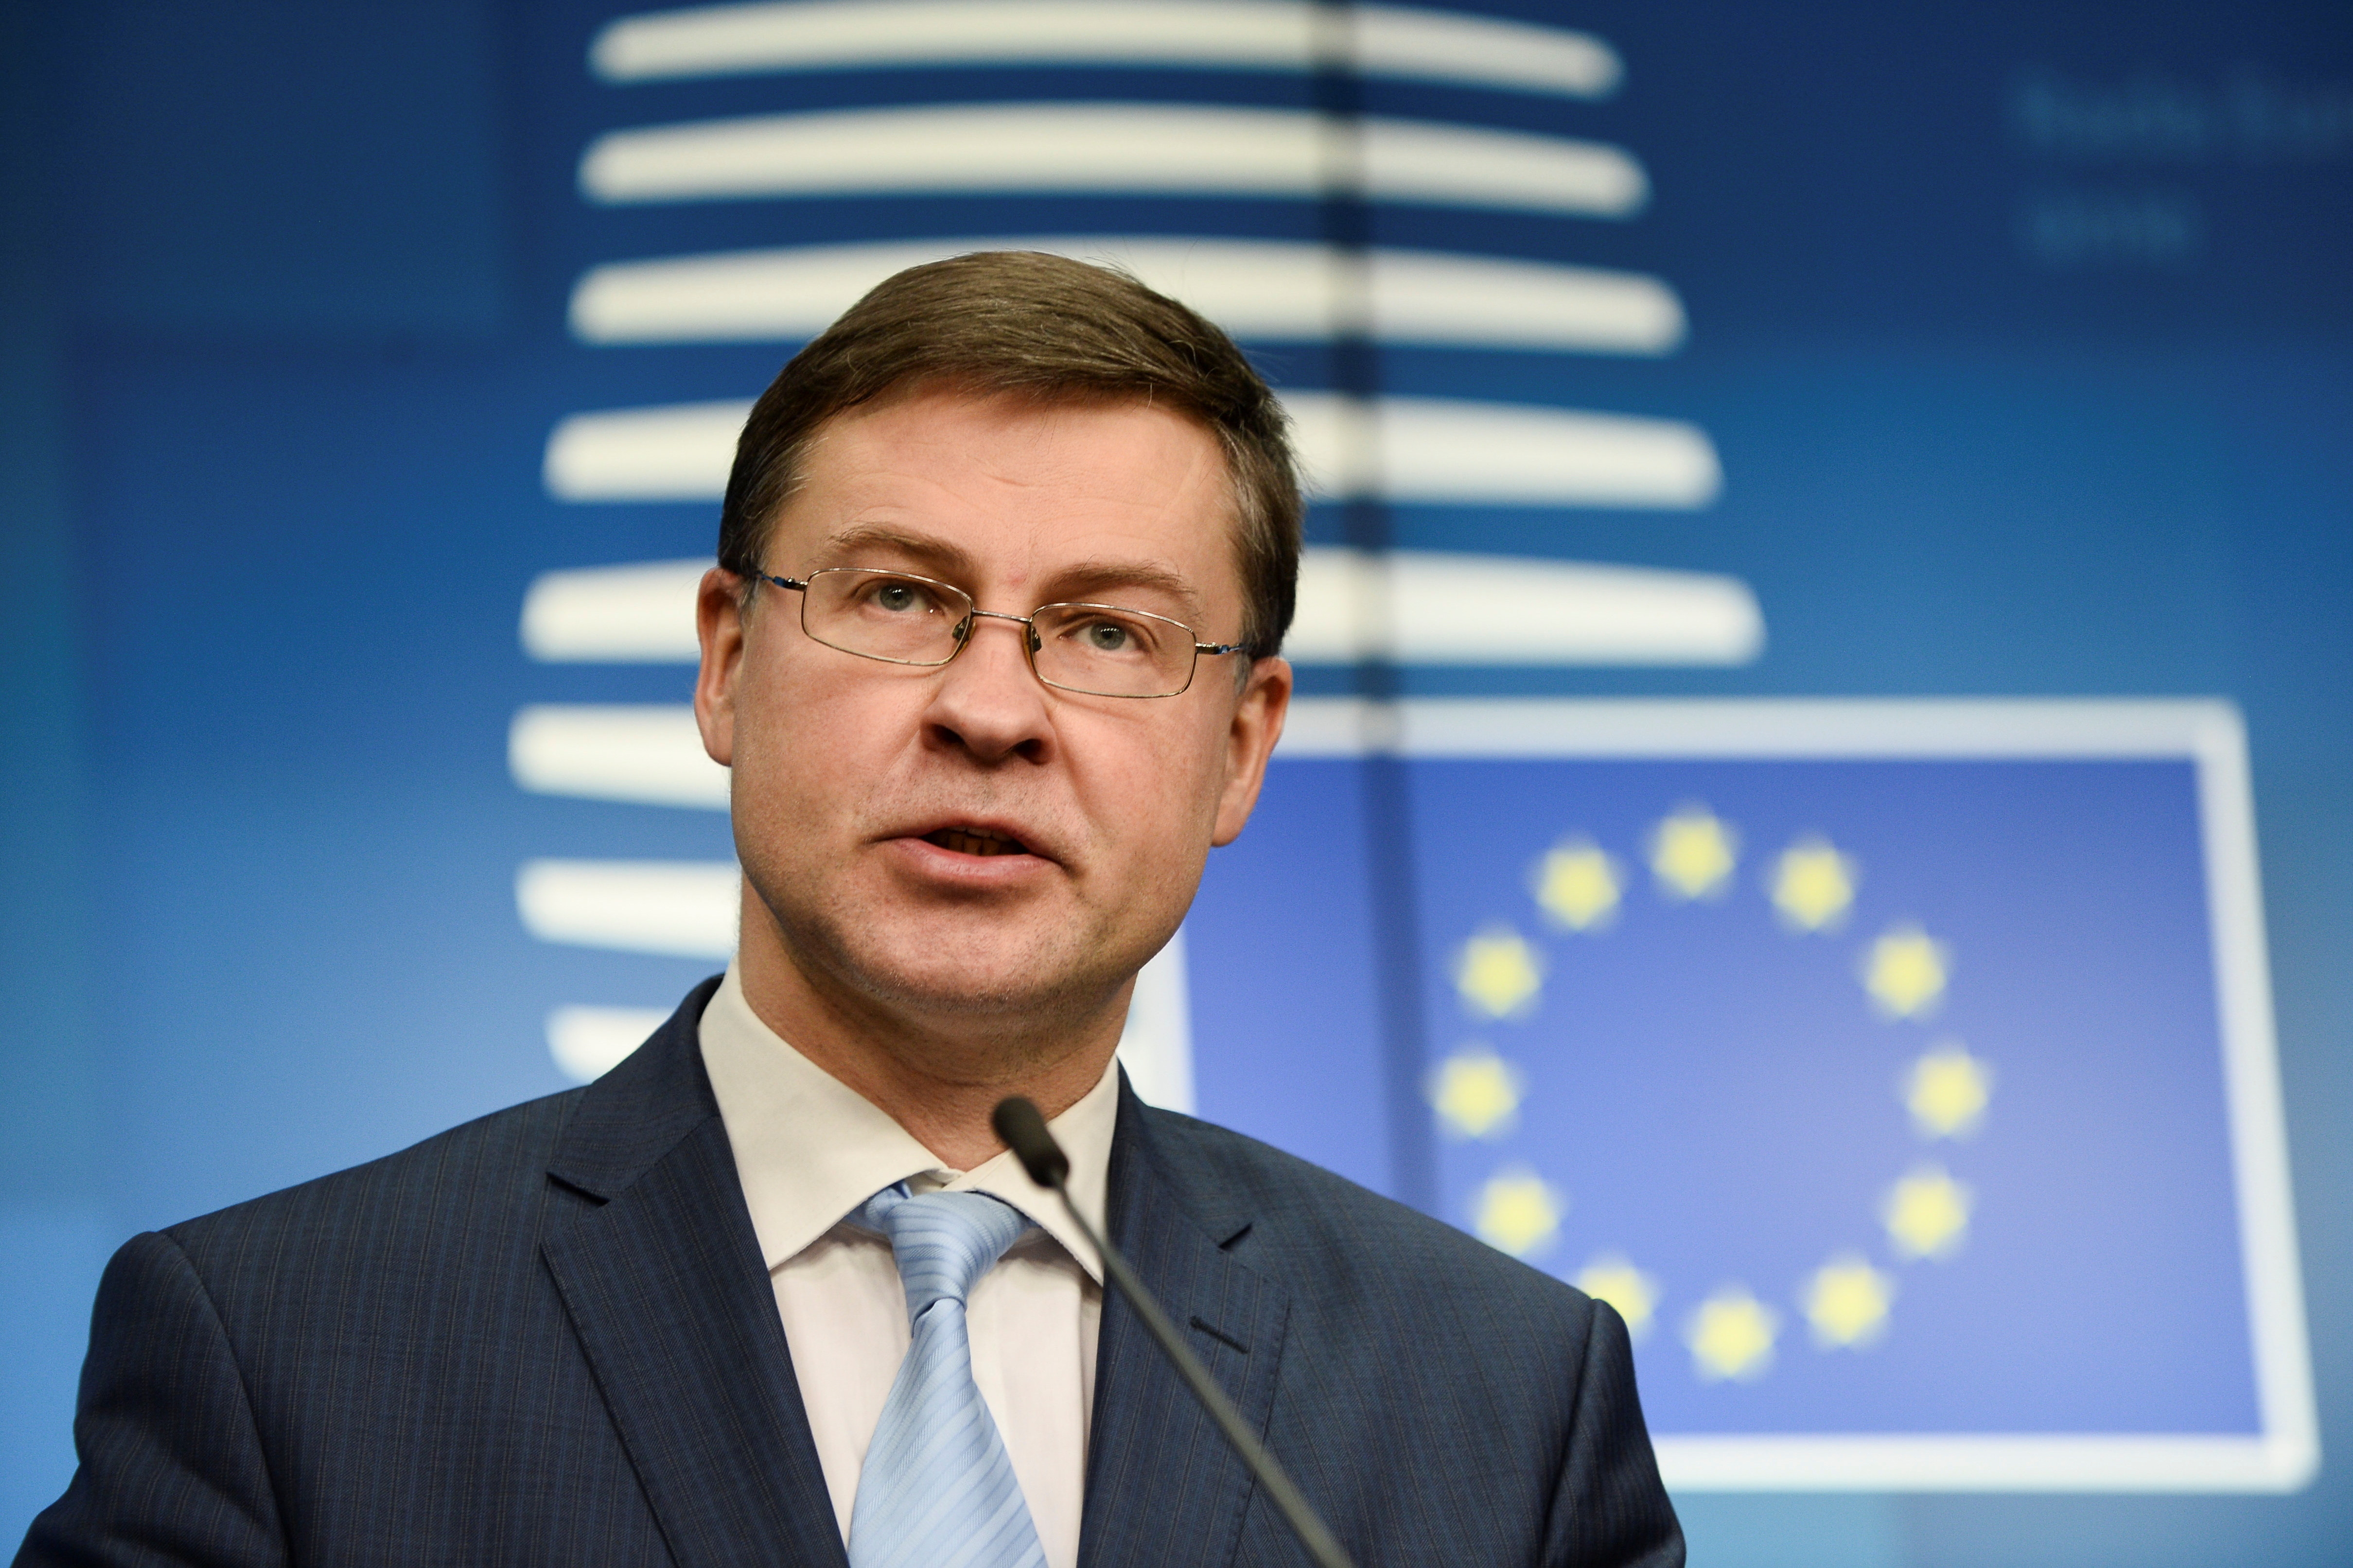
[809,1150]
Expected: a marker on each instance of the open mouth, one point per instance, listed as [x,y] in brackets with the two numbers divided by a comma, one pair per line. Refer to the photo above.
[976,841]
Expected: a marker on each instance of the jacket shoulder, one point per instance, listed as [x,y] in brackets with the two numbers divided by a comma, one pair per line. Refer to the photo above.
[478,1174]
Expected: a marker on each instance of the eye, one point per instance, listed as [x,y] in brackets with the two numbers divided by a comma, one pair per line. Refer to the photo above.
[898,597]
[1107,637]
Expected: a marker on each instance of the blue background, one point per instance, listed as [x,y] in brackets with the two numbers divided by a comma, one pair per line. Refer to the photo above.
[282,335]
[1716,1094]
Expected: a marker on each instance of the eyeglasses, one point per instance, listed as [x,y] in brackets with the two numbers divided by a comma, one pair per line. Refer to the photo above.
[1099,650]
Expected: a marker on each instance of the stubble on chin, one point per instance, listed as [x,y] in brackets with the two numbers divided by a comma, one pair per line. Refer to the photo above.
[1025,973]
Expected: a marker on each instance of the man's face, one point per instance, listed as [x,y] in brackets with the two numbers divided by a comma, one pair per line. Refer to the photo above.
[861,789]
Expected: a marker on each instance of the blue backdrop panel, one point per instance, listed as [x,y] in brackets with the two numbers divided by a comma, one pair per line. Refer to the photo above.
[1721,1101]
[1887,1087]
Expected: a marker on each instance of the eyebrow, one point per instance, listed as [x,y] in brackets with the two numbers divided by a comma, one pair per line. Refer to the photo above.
[948,558]
[1076,582]
[953,563]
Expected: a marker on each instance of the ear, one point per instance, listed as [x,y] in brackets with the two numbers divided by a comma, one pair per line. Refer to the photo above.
[719,628]
[1249,741]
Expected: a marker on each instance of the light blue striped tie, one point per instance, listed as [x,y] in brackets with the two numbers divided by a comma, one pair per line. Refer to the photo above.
[938,1490]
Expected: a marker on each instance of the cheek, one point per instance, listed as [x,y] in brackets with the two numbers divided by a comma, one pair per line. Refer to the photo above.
[802,738]
[1157,791]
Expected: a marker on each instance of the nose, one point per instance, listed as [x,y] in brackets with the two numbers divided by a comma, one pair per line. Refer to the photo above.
[988,702]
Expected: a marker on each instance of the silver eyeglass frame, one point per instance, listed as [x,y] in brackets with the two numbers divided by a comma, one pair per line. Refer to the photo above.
[1031,641]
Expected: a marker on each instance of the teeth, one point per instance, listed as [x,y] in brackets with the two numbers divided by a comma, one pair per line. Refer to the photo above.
[975,841]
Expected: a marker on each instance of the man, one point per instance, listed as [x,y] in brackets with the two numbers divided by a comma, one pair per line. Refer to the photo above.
[1005,565]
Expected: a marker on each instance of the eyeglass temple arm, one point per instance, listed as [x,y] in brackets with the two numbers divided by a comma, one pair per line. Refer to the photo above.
[796,585]
[1219,646]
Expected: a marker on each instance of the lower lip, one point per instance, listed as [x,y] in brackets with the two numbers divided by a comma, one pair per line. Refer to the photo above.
[928,859]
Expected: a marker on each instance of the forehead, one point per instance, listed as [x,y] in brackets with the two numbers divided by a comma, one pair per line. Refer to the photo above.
[1019,481]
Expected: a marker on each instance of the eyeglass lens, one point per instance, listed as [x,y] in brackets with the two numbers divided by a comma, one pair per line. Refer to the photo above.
[1100,649]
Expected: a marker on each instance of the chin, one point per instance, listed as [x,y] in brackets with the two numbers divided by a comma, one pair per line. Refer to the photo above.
[990,971]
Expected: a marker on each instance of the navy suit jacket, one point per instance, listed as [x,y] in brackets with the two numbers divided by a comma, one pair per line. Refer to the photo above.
[548,1337]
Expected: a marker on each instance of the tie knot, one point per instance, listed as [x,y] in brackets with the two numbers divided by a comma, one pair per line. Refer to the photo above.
[943,1242]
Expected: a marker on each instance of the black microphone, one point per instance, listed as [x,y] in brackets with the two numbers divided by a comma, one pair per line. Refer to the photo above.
[1024,1130]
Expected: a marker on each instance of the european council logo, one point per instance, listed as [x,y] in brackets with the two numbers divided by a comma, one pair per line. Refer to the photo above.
[1901,1072]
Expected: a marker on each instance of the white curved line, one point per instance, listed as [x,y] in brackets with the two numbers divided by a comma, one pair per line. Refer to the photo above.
[725,40]
[1443,452]
[684,908]
[1446,45]
[586,1043]
[1138,149]
[614,613]
[648,753]
[1245,35]
[1424,450]
[1254,288]
[1451,165]
[1417,608]
[677,452]
[1422,608]
[1421,297]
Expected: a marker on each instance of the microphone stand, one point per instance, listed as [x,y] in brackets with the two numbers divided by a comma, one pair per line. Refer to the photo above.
[1023,1129]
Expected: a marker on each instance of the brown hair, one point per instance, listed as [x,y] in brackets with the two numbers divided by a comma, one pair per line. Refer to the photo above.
[1021,321]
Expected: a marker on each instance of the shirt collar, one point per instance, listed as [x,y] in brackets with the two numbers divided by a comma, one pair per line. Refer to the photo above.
[809,1149]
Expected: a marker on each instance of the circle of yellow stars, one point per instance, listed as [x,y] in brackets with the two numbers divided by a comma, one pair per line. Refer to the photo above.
[1693,855]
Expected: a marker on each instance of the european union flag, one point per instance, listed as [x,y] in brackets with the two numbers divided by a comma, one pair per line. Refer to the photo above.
[1902,1073]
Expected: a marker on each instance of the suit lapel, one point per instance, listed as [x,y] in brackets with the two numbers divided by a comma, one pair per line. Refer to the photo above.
[1162,1485]
[653,1253]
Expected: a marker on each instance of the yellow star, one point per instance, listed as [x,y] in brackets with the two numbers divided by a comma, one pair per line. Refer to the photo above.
[1731,1335]
[1813,885]
[1928,1213]
[1946,1091]
[1498,972]
[1577,885]
[1518,1212]
[1476,1093]
[1692,853]
[1610,1278]
[1847,1301]
[1906,972]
